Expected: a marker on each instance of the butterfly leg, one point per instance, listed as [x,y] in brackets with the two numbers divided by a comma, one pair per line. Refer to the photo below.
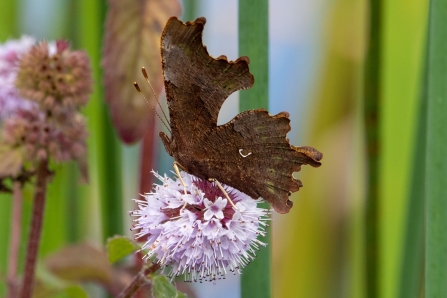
[177,171]
[223,190]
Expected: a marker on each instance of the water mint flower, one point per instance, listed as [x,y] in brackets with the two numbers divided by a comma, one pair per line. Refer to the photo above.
[54,82]
[40,139]
[10,53]
[214,209]
[55,77]
[199,234]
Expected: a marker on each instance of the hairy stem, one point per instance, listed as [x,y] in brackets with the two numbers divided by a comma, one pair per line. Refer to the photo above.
[14,243]
[35,229]
[138,281]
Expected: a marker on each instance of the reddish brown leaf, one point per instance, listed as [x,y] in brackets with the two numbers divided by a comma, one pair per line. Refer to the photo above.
[132,40]
[80,262]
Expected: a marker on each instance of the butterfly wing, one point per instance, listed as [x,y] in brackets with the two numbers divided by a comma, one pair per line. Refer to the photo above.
[251,153]
[196,84]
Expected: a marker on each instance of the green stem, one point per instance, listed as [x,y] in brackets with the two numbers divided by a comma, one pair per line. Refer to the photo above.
[138,281]
[372,101]
[436,161]
[254,43]
[189,10]
[109,164]
[35,229]
[110,180]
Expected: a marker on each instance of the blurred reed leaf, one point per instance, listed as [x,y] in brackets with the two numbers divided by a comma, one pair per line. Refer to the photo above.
[402,47]
[8,27]
[324,228]
[436,161]
[253,42]
[104,146]
[411,278]
[8,15]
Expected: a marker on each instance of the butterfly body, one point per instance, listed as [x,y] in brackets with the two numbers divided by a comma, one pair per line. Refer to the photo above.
[251,152]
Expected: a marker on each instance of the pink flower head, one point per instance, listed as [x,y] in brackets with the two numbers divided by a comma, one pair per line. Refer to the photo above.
[199,234]
[214,208]
[41,139]
[55,77]
[10,53]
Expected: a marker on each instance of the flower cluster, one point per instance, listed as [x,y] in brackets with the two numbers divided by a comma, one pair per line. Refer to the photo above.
[31,130]
[48,83]
[56,81]
[199,234]
[10,54]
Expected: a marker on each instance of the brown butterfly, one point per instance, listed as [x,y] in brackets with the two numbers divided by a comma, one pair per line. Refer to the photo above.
[251,152]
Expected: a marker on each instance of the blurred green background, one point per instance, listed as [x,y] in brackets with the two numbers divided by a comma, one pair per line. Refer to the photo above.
[317,66]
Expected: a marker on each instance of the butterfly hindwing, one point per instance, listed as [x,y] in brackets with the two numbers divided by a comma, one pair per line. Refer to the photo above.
[252,154]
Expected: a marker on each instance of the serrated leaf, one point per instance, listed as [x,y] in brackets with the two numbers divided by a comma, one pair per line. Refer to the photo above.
[132,40]
[119,247]
[80,262]
[162,287]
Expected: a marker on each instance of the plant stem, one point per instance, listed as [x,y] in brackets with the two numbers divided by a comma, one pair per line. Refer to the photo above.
[254,43]
[14,243]
[147,161]
[35,229]
[138,281]
[372,118]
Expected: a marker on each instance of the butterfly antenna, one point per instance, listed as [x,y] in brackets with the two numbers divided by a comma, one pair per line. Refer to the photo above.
[143,70]
[139,90]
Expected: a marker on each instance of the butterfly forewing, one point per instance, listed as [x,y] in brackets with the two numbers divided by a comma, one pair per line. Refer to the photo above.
[196,84]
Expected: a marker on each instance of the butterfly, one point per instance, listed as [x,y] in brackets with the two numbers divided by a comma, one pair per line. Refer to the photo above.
[251,152]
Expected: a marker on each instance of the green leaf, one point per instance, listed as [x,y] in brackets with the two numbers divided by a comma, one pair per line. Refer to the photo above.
[436,161]
[162,287]
[119,247]
[75,292]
